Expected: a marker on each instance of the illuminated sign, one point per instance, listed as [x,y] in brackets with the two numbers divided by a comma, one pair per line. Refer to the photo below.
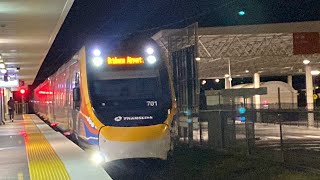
[45,92]
[9,84]
[124,60]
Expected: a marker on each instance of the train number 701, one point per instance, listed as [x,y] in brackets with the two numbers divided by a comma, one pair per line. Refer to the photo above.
[152,103]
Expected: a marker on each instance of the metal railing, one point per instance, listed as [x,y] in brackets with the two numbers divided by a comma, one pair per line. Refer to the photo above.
[21,108]
[282,135]
[289,138]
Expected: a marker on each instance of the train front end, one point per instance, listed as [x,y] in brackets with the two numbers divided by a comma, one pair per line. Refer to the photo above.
[131,98]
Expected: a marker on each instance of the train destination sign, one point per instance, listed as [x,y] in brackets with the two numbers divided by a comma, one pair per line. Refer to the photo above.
[124,60]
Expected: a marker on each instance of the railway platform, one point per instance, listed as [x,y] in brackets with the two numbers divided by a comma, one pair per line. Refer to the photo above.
[30,149]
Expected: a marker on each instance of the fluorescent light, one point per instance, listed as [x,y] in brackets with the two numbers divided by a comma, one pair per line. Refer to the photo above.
[306,61]
[315,72]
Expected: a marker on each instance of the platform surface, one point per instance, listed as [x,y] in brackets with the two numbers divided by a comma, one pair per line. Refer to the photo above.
[30,149]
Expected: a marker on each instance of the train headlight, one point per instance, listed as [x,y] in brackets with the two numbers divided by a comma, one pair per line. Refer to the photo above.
[149,50]
[97,61]
[151,59]
[97,158]
[96,52]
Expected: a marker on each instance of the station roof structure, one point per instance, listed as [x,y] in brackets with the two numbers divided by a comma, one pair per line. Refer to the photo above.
[266,49]
[27,31]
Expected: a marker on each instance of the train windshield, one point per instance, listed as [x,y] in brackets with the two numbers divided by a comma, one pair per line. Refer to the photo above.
[130,93]
[127,88]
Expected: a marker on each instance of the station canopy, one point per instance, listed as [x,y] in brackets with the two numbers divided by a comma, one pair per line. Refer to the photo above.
[27,31]
[268,49]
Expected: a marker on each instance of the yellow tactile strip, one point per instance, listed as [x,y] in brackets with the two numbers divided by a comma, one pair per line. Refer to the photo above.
[44,163]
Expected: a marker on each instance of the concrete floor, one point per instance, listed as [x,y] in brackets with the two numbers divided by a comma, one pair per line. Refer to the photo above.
[13,157]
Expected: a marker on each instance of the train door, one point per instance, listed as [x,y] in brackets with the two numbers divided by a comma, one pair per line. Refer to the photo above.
[67,97]
[75,103]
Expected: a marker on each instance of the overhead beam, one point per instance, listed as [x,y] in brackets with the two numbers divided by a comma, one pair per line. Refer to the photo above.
[308,26]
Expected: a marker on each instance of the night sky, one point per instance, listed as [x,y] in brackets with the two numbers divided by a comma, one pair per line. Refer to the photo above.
[118,19]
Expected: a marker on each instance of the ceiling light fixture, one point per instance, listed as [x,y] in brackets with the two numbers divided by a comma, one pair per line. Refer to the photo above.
[3,71]
[315,72]
[306,61]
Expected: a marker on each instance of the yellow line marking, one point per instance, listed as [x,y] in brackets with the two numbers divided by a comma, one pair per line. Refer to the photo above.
[20,176]
[44,163]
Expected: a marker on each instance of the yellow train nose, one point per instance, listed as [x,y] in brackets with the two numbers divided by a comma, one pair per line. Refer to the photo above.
[143,133]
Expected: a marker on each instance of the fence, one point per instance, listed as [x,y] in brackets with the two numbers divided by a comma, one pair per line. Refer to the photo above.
[288,138]
[277,135]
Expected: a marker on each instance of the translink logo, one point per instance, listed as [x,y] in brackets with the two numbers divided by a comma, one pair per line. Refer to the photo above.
[120,118]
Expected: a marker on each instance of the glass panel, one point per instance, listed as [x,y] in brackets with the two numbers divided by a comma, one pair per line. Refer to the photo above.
[126,88]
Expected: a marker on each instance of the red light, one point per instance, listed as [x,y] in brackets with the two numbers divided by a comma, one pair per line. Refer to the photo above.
[22,91]
[54,124]
[23,133]
[67,133]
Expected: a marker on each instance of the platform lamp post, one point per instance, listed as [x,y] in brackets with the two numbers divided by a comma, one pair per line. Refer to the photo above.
[22,92]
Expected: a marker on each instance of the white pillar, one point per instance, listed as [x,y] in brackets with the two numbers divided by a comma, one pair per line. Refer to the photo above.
[227,82]
[256,84]
[309,95]
[289,80]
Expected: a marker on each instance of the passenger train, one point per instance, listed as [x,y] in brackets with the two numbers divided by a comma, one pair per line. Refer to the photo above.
[117,99]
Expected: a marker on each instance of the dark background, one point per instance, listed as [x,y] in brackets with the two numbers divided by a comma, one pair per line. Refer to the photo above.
[117,19]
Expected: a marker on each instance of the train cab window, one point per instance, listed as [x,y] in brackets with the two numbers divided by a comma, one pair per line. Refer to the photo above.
[126,88]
